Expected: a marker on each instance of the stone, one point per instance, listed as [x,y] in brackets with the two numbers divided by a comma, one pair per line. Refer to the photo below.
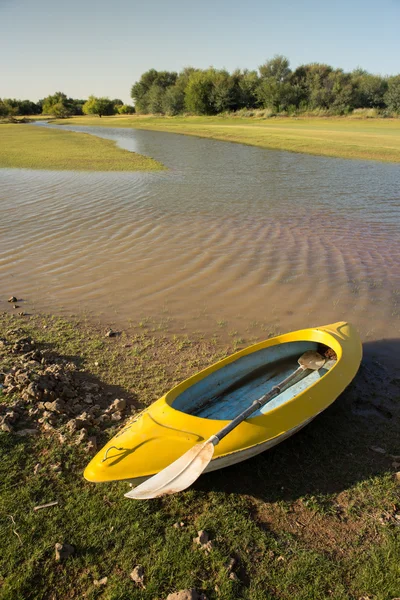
[37,468]
[233,576]
[26,432]
[204,541]
[377,449]
[117,416]
[81,437]
[6,427]
[72,425]
[63,551]
[396,476]
[111,333]
[186,595]
[137,575]
[99,582]
[92,443]
[12,299]
[118,405]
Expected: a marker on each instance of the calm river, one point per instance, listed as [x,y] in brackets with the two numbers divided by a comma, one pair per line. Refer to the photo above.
[231,238]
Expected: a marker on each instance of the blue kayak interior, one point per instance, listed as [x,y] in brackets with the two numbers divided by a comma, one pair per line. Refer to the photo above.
[225,393]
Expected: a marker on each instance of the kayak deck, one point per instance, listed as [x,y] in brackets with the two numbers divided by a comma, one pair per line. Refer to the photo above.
[247,379]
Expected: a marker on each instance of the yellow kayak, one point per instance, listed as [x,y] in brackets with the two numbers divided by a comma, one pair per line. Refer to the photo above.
[199,407]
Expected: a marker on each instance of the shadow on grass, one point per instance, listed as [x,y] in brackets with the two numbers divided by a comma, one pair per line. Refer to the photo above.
[333,452]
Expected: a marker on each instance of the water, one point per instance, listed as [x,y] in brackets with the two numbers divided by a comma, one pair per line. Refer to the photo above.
[231,238]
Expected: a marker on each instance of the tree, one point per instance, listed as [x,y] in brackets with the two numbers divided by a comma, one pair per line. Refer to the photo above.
[174,100]
[155,99]
[126,109]
[369,90]
[198,94]
[3,109]
[98,106]
[275,90]
[276,68]
[59,100]
[392,96]
[246,85]
[140,91]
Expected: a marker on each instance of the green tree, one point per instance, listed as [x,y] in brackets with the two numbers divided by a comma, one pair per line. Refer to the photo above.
[3,109]
[392,96]
[369,89]
[126,109]
[198,94]
[174,100]
[274,90]
[98,106]
[155,99]
[140,91]
[59,100]
[223,91]
[276,68]
[246,86]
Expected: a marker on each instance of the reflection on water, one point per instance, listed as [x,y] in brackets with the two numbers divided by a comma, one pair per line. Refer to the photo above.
[230,233]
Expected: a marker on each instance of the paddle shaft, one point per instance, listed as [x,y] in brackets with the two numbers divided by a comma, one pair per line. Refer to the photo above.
[254,406]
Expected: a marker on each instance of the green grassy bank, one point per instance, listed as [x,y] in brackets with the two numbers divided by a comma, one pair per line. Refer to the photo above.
[26,147]
[316,517]
[367,139]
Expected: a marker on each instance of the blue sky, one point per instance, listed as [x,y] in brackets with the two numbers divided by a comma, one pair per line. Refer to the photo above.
[96,47]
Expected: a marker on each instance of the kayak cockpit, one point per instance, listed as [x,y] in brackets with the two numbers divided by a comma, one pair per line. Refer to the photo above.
[228,391]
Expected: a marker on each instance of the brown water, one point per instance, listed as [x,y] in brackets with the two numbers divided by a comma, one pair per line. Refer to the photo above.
[230,238]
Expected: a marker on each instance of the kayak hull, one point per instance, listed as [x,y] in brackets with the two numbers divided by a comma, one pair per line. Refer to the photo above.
[191,412]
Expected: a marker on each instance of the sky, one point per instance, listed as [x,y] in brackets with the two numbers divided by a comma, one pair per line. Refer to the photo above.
[96,47]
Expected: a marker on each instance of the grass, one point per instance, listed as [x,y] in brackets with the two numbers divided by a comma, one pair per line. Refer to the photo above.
[315,517]
[26,147]
[366,139]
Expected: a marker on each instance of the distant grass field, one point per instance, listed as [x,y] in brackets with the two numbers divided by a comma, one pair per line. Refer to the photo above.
[314,518]
[27,147]
[366,139]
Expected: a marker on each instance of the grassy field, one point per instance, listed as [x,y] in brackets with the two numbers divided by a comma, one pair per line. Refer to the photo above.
[27,147]
[316,517]
[367,139]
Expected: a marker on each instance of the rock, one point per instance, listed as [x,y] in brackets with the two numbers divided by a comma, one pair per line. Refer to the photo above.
[111,333]
[202,537]
[396,476]
[25,432]
[15,305]
[203,541]
[178,525]
[12,299]
[63,551]
[118,405]
[81,437]
[230,565]
[6,427]
[57,406]
[98,582]
[233,576]
[37,468]
[72,425]
[137,575]
[117,416]
[56,468]
[186,595]
[377,449]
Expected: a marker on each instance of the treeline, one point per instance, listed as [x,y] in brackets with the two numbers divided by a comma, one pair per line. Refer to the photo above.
[314,87]
[60,106]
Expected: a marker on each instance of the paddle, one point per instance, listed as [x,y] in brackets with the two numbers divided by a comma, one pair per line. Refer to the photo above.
[185,470]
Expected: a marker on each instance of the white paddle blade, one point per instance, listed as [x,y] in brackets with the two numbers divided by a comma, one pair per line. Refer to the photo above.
[178,476]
